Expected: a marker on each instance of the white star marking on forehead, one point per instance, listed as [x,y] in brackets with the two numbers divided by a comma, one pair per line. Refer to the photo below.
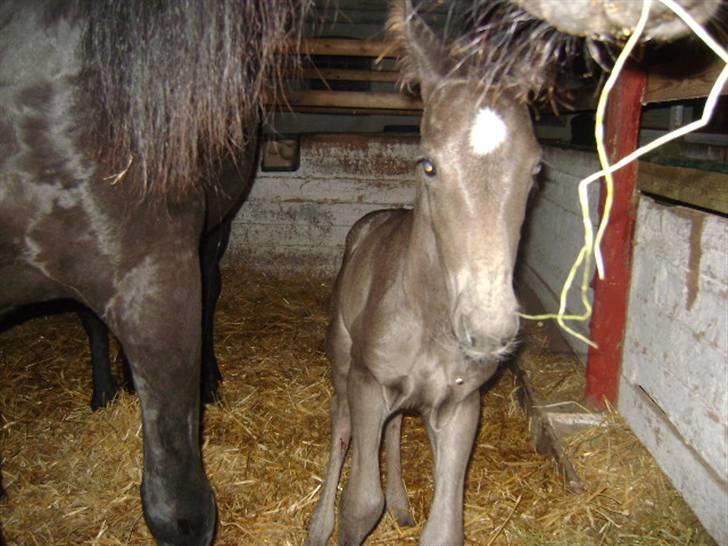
[488,132]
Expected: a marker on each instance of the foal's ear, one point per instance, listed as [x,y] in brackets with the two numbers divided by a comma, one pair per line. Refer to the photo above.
[423,57]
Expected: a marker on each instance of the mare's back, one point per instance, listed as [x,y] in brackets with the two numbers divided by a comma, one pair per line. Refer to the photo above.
[39,67]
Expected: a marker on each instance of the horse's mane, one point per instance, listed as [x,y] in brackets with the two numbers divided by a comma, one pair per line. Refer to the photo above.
[499,44]
[175,82]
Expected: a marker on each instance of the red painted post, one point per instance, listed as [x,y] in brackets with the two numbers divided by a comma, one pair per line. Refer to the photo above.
[610,295]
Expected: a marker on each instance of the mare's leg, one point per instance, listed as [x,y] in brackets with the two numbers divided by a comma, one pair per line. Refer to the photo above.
[322,520]
[212,248]
[452,443]
[156,317]
[396,496]
[362,500]
[105,387]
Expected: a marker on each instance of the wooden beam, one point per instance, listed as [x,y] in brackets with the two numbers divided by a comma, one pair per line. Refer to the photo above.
[350,99]
[704,189]
[346,111]
[348,48]
[661,88]
[340,74]
[611,294]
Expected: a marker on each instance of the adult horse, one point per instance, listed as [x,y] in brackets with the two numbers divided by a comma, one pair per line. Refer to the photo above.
[235,180]
[114,118]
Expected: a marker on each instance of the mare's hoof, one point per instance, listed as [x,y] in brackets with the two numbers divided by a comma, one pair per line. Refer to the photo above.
[102,399]
[211,396]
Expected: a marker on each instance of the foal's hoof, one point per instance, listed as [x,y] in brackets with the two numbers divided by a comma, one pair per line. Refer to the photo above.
[402,517]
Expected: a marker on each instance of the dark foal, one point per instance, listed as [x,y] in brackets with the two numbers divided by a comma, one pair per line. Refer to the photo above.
[423,306]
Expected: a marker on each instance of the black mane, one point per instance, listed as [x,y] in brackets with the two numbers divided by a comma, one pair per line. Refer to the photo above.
[503,46]
[175,82]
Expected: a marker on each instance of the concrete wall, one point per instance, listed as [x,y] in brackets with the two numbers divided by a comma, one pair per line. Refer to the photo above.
[674,384]
[553,233]
[297,221]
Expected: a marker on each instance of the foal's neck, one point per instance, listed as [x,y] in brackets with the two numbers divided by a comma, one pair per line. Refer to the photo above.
[423,275]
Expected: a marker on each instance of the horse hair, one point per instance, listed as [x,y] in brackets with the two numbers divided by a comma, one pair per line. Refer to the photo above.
[503,46]
[174,83]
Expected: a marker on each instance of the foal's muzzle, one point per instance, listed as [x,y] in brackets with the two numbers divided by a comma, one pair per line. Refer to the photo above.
[484,336]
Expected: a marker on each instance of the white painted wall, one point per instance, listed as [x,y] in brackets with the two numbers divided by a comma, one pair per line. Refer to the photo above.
[553,233]
[674,384]
[297,221]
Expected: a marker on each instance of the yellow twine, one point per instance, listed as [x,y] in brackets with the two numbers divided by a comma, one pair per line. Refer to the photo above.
[592,244]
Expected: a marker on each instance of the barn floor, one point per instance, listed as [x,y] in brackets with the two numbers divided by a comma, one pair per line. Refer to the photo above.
[72,476]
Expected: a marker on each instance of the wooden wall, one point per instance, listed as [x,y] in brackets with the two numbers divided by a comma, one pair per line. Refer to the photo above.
[297,221]
[674,382]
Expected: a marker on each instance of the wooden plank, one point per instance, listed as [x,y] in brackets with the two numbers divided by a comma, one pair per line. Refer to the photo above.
[704,491]
[676,343]
[662,88]
[348,48]
[340,74]
[289,235]
[544,437]
[331,190]
[304,213]
[611,293]
[359,100]
[346,111]
[703,189]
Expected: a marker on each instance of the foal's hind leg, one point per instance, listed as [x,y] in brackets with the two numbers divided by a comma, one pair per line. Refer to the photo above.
[156,316]
[396,495]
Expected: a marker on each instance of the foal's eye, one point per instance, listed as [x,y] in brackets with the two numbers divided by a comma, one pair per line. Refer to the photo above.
[536,168]
[428,167]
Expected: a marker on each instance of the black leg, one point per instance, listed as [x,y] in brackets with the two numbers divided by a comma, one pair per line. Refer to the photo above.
[105,387]
[212,250]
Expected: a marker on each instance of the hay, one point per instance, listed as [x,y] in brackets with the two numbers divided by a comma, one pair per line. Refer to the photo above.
[72,476]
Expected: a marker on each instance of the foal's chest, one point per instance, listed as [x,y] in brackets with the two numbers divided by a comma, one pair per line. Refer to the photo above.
[435,377]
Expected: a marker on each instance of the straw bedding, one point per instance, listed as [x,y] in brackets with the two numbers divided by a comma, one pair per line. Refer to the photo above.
[72,476]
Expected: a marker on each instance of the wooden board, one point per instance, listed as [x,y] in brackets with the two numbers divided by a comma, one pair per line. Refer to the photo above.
[663,88]
[699,188]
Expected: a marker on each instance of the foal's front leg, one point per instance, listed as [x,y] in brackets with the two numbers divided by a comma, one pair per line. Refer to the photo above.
[396,496]
[362,500]
[322,520]
[452,443]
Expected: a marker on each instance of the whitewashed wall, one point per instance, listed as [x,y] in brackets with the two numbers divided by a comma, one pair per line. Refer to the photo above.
[297,221]
[553,233]
[674,384]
